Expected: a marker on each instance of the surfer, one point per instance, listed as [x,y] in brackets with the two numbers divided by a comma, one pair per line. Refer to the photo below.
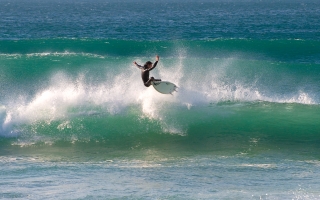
[145,69]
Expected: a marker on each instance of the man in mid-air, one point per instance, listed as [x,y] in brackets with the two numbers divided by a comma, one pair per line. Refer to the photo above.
[145,69]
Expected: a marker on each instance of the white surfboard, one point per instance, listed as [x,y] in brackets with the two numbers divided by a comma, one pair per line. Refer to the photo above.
[164,87]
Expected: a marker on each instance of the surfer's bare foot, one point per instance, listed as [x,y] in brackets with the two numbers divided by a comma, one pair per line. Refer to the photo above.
[157,58]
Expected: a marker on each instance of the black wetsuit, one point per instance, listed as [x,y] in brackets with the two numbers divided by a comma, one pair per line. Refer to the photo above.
[145,73]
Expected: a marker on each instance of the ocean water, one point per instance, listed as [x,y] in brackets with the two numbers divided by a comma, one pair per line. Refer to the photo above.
[77,122]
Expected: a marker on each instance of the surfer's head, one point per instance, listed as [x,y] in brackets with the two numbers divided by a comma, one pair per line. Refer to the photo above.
[148,64]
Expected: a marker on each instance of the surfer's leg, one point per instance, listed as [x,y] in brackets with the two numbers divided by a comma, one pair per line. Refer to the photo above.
[148,83]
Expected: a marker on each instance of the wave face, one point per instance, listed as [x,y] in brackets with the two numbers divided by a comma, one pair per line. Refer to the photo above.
[88,91]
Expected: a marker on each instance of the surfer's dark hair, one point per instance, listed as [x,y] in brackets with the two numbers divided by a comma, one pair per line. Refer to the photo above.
[148,63]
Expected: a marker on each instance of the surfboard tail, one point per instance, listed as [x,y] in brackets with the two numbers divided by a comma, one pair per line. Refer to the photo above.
[175,88]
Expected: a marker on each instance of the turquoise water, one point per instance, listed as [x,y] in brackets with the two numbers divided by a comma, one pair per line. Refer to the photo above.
[77,122]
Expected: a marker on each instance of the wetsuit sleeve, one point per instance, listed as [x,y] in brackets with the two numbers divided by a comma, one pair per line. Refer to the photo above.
[154,65]
[139,66]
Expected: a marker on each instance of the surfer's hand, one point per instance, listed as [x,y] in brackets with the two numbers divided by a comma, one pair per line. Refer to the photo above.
[135,62]
[157,58]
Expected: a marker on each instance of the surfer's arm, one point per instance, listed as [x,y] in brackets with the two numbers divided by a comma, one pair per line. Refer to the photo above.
[155,63]
[137,65]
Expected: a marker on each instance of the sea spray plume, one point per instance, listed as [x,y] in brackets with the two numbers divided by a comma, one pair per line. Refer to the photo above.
[222,84]
[209,83]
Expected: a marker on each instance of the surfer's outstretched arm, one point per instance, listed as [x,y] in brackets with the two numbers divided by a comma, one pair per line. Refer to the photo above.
[137,65]
[155,63]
